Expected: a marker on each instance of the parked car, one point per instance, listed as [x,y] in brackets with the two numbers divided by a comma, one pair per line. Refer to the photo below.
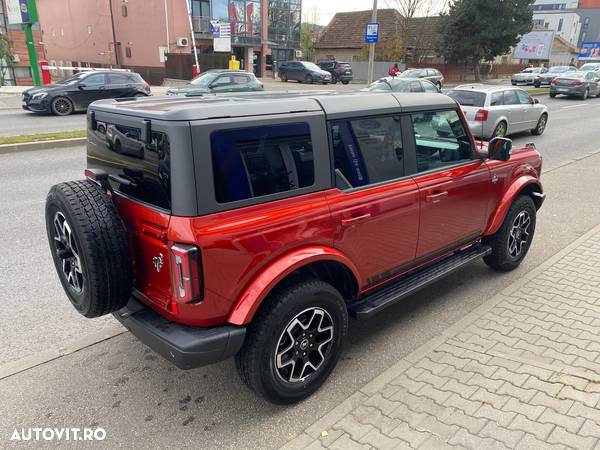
[495,111]
[396,84]
[125,140]
[553,72]
[590,67]
[577,84]
[255,227]
[340,71]
[76,93]
[217,81]
[528,76]
[303,72]
[433,75]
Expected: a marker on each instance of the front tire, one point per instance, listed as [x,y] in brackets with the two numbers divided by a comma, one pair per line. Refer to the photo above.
[294,341]
[511,242]
[585,94]
[308,79]
[62,106]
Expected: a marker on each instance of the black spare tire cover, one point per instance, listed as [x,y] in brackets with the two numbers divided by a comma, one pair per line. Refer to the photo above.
[88,241]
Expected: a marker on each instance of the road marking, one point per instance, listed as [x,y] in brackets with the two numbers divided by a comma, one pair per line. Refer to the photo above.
[574,106]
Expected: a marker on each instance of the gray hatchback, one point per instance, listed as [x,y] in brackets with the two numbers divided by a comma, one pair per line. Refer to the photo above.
[576,84]
[497,111]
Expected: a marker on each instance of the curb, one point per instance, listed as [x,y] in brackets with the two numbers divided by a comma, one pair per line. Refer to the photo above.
[312,432]
[42,145]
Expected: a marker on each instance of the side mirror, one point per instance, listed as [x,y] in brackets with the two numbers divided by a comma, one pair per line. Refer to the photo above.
[81,86]
[500,149]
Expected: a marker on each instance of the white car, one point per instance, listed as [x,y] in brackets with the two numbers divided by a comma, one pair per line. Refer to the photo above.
[528,76]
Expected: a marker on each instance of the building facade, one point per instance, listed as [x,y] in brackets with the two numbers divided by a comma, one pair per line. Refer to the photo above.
[18,71]
[147,35]
[589,11]
[560,16]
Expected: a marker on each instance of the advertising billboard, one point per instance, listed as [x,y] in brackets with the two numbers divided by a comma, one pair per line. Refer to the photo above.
[589,51]
[535,45]
[17,11]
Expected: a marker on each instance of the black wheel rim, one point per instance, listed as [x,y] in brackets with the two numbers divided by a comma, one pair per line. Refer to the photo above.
[519,234]
[62,106]
[304,345]
[68,253]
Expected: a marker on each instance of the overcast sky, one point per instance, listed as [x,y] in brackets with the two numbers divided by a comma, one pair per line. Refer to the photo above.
[326,9]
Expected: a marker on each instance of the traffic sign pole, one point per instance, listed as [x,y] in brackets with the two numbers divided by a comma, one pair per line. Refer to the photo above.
[372,46]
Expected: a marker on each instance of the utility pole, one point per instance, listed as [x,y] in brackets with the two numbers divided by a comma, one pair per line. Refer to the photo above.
[372,46]
[114,34]
[30,41]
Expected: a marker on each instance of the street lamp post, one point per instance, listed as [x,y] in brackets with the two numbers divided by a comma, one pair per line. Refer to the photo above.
[372,46]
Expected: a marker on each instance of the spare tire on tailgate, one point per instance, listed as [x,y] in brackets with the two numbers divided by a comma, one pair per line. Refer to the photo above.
[88,241]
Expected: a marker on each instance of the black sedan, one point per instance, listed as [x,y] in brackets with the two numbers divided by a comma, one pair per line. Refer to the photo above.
[395,84]
[76,93]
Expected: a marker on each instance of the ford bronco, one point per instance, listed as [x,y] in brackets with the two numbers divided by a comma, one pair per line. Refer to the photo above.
[254,225]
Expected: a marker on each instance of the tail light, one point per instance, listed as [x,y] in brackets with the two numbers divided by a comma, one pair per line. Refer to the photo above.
[186,273]
[482,115]
[554,82]
[579,82]
[340,69]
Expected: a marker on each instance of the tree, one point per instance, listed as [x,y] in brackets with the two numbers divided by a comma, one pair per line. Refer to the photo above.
[390,49]
[479,30]
[309,33]
[6,56]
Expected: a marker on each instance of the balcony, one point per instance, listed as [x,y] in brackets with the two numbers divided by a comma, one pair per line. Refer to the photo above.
[201,26]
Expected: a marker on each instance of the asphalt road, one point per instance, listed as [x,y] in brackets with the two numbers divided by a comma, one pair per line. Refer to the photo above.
[141,400]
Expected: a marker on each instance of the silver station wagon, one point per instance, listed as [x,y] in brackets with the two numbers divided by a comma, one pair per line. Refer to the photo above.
[497,111]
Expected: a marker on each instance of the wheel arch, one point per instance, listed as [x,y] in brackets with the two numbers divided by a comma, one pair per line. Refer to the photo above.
[526,185]
[324,263]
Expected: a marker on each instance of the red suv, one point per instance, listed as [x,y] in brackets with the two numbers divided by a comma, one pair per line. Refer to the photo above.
[255,225]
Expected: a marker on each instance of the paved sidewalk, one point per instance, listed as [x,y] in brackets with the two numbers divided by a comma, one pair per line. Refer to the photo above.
[520,372]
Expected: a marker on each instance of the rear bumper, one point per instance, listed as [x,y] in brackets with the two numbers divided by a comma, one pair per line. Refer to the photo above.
[568,90]
[186,347]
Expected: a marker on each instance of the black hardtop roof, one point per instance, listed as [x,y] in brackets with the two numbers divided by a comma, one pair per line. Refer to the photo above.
[214,106]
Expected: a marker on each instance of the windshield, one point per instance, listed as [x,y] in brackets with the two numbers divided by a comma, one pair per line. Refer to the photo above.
[573,75]
[379,86]
[412,73]
[468,98]
[73,79]
[559,69]
[311,66]
[589,66]
[204,80]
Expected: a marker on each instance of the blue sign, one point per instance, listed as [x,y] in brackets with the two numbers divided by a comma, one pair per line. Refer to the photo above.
[372,33]
[589,51]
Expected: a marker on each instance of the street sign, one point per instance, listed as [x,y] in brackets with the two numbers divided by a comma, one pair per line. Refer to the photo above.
[372,33]
[17,11]
[220,29]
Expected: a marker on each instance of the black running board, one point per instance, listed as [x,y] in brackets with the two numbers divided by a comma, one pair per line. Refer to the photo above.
[413,282]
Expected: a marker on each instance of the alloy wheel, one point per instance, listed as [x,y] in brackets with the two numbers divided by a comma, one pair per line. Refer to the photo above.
[304,345]
[519,234]
[500,130]
[541,124]
[67,252]
[62,106]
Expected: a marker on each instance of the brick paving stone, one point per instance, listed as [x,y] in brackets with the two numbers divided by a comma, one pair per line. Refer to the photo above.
[520,372]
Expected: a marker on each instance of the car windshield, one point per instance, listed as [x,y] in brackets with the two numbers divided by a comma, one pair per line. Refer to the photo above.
[558,69]
[468,98]
[574,75]
[411,73]
[73,79]
[589,67]
[204,80]
[379,86]
[311,66]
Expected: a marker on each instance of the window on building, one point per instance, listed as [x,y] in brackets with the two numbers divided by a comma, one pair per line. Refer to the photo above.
[259,161]
[22,72]
[368,151]
[200,8]
[586,23]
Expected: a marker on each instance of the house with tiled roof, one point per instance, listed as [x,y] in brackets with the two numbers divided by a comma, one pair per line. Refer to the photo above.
[343,38]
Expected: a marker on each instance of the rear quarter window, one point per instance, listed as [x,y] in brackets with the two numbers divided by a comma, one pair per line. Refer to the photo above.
[468,98]
[259,161]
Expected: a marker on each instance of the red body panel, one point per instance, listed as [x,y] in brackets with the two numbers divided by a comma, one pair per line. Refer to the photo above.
[378,233]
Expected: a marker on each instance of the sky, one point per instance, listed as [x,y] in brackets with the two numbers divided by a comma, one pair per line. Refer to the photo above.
[326,9]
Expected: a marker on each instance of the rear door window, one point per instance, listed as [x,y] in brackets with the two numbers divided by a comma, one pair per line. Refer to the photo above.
[428,87]
[139,170]
[511,98]
[367,151]
[468,98]
[415,86]
[497,99]
[259,161]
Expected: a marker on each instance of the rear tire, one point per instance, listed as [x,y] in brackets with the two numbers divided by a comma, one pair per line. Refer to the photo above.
[345,82]
[541,125]
[284,77]
[307,314]
[511,242]
[552,95]
[89,247]
[585,94]
[500,130]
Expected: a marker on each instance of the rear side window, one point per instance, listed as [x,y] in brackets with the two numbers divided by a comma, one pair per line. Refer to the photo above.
[259,161]
[497,99]
[141,171]
[468,98]
[117,78]
[368,151]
